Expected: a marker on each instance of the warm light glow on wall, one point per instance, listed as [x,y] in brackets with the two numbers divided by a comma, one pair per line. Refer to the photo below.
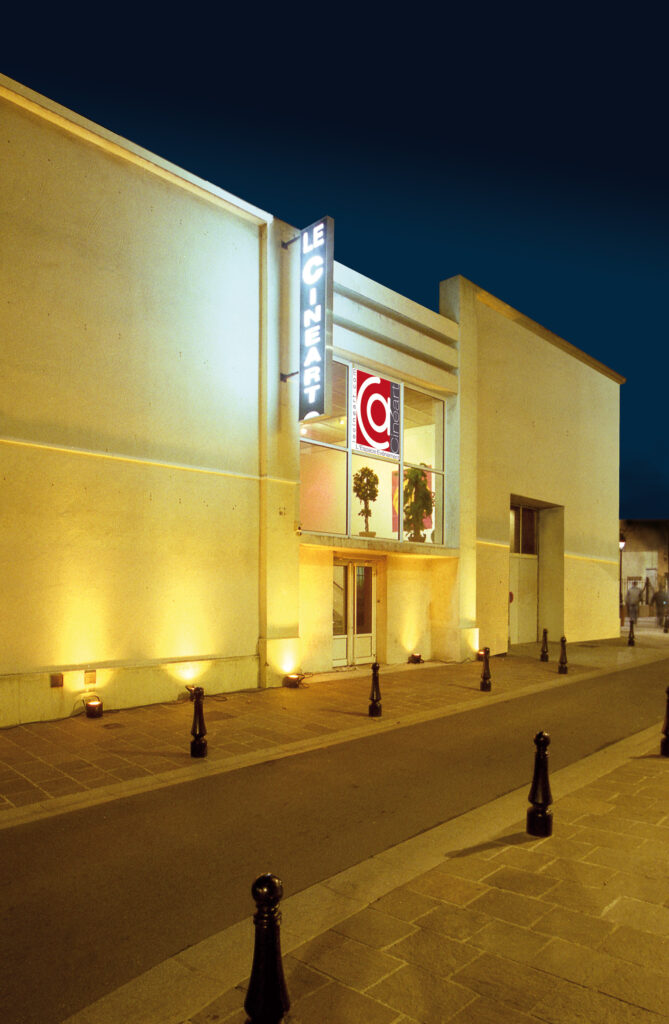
[284,655]
[188,671]
[82,626]
[411,632]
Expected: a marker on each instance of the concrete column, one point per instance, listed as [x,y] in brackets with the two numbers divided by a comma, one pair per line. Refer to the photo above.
[456,300]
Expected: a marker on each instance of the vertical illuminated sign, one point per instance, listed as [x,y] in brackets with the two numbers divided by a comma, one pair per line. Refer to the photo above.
[316,260]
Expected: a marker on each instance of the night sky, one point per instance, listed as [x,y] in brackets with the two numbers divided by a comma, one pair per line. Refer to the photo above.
[528,156]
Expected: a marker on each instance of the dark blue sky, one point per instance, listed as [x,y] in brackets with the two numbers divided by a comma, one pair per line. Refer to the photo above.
[528,156]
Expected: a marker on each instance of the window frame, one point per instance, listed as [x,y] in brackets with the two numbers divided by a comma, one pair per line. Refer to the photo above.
[439,472]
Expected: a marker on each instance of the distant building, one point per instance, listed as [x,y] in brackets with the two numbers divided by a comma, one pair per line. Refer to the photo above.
[166,516]
[645,558]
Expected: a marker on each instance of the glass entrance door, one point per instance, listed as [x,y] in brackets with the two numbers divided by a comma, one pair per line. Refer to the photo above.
[353,613]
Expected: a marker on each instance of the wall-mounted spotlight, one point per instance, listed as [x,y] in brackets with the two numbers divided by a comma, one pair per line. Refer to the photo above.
[415,659]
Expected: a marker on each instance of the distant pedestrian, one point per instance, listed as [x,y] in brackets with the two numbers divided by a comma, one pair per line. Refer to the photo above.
[660,602]
[632,602]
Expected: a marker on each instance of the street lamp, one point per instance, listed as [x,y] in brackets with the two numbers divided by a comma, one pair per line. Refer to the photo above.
[621,545]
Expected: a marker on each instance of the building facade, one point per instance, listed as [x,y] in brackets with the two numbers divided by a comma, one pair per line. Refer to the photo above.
[167,518]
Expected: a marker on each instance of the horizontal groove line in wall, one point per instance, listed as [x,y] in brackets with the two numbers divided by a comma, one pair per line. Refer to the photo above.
[136,460]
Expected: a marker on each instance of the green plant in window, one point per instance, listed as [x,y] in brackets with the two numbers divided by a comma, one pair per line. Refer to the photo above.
[418,502]
[366,490]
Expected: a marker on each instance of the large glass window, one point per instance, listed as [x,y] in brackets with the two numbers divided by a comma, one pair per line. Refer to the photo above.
[331,429]
[395,493]
[322,489]
[423,429]
[373,497]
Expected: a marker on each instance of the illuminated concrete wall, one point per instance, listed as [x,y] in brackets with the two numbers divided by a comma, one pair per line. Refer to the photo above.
[546,422]
[315,609]
[133,496]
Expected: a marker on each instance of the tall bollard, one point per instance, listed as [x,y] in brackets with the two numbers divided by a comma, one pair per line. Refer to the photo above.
[375,695]
[486,681]
[198,745]
[562,663]
[630,638]
[267,997]
[666,624]
[544,647]
[539,818]
[664,745]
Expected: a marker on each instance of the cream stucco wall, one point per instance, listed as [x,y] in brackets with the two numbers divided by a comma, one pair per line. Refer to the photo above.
[547,428]
[134,485]
[315,609]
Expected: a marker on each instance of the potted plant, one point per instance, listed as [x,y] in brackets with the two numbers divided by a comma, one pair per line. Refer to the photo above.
[366,490]
[418,502]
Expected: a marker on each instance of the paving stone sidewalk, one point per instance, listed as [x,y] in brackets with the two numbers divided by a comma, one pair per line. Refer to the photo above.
[46,766]
[571,929]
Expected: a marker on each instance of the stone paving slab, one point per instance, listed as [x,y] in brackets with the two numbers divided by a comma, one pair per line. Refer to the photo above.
[434,951]
[479,933]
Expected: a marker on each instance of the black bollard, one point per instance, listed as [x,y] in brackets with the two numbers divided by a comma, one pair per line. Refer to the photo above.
[539,818]
[666,624]
[630,638]
[375,695]
[562,663]
[664,745]
[544,647]
[198,745]
[267,997]
[486,683]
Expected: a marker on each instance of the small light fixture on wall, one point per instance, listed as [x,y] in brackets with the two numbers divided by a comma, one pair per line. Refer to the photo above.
[415,659]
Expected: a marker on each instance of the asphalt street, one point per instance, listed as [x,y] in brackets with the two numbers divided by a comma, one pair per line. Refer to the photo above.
[93,898]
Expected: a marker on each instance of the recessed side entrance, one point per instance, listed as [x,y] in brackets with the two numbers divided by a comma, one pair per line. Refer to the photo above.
[353,613]
[536,570]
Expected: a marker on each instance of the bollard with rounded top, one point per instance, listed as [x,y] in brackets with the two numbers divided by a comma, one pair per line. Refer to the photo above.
[375,695]
[539,817]
[198,745]
[267,997]
[486,681]
[544,647]
[630,638]
[562,663]
[664,745]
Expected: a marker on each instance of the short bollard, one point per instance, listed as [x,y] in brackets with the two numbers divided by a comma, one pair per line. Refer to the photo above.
[375,695]
[664,745]
[198,745]
[562,663]
[539,818]
[486,681]
[630,638]
[267,997]
[544,647]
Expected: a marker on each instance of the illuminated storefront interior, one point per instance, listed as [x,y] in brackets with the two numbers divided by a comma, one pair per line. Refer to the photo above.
[330,463]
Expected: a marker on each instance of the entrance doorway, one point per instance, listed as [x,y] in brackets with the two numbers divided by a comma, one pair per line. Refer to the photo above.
[353,613]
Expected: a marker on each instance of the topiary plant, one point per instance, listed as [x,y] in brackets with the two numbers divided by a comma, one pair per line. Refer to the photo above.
[366,490]
[418,502]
